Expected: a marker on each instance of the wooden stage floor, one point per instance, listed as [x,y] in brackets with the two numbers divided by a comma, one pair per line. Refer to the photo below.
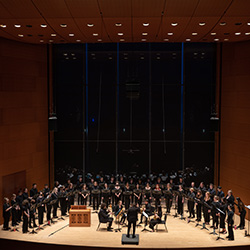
[180,235]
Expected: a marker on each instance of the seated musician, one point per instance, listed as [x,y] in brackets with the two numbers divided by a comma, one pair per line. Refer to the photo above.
[104,216]
[119,213]
[148,210]
[156,219]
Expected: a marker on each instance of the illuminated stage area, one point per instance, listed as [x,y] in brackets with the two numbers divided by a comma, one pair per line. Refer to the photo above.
[180,235]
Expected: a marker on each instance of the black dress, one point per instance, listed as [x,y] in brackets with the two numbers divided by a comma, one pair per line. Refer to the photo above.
[25,218]
[6,216]
[230,222]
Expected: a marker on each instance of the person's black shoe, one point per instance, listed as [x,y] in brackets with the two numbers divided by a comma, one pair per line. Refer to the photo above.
[30,227]
[55,217]
[127,236]
[109,230]
[231,239]
[189,216]
[242,228]
[133,236]
[35,225]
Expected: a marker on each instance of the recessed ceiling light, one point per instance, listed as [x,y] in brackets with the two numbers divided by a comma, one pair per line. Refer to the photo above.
[72,54]
[226,39]
[144,33]
[63,25]
[118,24]
[194,34]
[51,41]
[188,39]
[53,34]
[174,54]
[67,58]
[145,24]
[3,25]
[174,24]
[110,58]
[247,33]
[237,33]
[158,58]
[122,40]
[41,41]
[71,34]
[248,23]
[99,40]
[195,53]
[216,39]
[43,25]
[202,23]
[142,57]
[17,25]
[20,35]
[223,23]
[125,58]
[90,25]
[65,54]
[170,33]
[213,34]
[78,40]
[120,34]
[74,58]
[92,54]
[166,39]
[143,39]
[95,34]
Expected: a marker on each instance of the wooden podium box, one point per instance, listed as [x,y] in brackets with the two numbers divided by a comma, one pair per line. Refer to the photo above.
[79,217]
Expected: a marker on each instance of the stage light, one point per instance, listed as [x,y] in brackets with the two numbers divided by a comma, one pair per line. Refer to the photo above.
[248,23]
[3,25]
[202,23]
[90,25]
[188,39]
[223,23]
[124,130]
[142,57]
[195,53]
[226,39]
[95,34]
[74,58]
[63,25]
[78,40]
[65,54]
[41,41]
[144,33]
[51,41]
[170,33]
[194,34]
[71,34]
[93,120]
[43,25]
[216,39]
[213,34]
[118,24]
[17,25]
[174,24]
[92,54]
[237,33]
[158,58]
[125,58]
[144,40]
[145,24]
[72,54]
[53,34]
[99,40]
[20,35]
[166,39]
[67,58]
[247,33]
[120,34]
[122,40]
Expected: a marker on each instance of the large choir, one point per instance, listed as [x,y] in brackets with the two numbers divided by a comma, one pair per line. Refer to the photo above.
[121,199]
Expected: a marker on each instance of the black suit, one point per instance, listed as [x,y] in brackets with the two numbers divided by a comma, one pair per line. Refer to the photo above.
[104,217]
[132,217]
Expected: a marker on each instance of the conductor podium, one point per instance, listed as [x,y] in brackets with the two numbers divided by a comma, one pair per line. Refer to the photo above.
[79,216]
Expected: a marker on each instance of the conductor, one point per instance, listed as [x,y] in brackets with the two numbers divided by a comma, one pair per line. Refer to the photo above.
[132,217]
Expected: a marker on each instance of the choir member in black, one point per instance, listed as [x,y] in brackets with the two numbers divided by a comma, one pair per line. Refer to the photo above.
[25,194]
[26,215]
[181,182]
[156,219]
[104,216]
[180,200]
[63,200]
[101,183]
[19,200]
[230,199]
[131,188]
[215,212]
[171,181]
[202,188]
[190,204]
[14,210]
[54,196]
[70,196]
[95,196]
[242,211]
[147,194]
[118,209]
[46,190]
[79,185]
[211,190]
[90,187]
[137,194]
[220,193]
[206,207]
[230,222]
[32,213]
[41,208]
[111,187]
[105,198]
[6,214]
[132,217]
[85,194]
[67,185]
[148,210]
[117,193]
[168,196]
[193,185]
[157,197]
[57,184]
[198,204]
[33,190]
[127,196]
[223,208]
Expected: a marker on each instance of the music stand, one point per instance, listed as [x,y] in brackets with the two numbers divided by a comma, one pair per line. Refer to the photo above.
[247,233]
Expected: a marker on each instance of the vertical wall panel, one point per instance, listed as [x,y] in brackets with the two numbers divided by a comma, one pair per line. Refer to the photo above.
[23,115]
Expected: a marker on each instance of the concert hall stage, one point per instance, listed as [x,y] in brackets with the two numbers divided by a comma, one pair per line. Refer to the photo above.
[180,235]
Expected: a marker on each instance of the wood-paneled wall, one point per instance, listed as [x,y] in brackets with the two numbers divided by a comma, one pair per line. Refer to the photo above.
[23,113]
[235,120]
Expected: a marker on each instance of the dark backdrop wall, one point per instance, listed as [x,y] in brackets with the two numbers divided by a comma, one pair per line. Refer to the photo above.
[121,108]
[235,119]
[23,117]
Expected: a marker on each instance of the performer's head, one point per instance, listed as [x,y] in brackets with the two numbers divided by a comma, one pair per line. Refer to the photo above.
[191,190]
[6,200]
[34,185]
[229,192]
[103,206]
[119,202]
[211,186]
[146,201]
[216,198]
[207,195]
